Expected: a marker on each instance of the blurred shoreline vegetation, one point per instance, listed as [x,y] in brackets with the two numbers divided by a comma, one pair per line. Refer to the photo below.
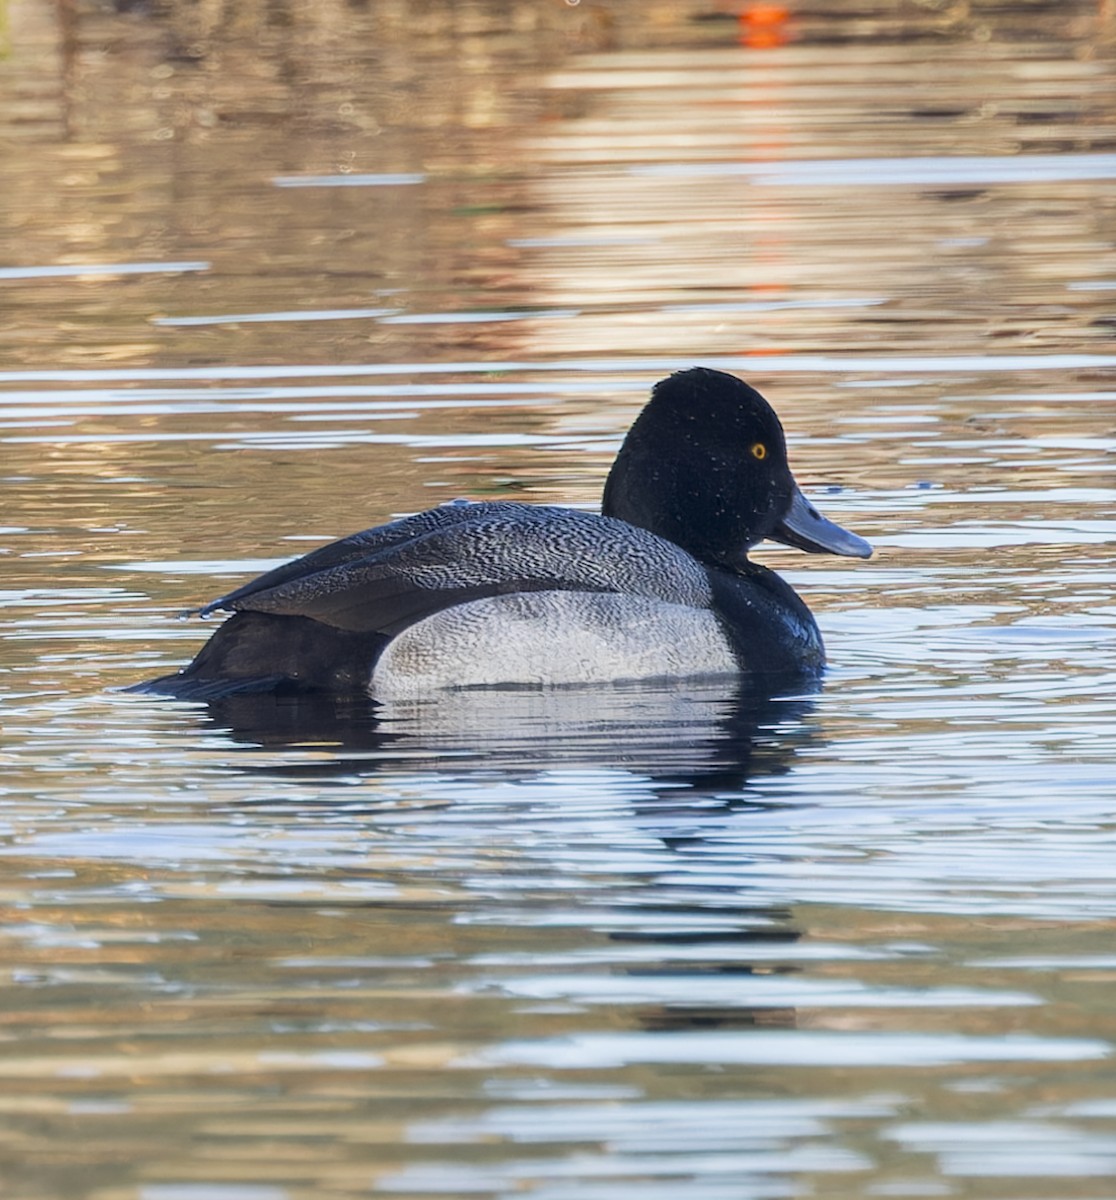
[269,47]
[94,66]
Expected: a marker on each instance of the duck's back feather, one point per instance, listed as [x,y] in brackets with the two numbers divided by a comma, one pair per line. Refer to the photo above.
[386,579]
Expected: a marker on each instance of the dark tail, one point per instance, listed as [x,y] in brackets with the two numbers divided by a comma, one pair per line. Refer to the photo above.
[258,653]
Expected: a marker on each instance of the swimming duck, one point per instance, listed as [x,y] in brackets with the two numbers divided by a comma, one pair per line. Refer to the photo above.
[505,593]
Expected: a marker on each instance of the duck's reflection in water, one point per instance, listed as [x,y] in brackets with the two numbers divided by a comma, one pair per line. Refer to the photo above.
[709,735]
[626,808]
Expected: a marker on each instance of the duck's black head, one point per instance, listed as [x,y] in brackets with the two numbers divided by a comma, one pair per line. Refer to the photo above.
[705,466]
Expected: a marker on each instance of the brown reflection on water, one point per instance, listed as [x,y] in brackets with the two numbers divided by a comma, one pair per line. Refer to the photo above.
[717,262]
[320,959]
[165,129]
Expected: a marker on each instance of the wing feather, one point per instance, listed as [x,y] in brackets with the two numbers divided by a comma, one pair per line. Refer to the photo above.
[390,577]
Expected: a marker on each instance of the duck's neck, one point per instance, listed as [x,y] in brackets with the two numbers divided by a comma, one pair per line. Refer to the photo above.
[768,623]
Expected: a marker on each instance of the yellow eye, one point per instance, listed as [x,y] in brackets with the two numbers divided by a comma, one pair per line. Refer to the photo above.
[759,450]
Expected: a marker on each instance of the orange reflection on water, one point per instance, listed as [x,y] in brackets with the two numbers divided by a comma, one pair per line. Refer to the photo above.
[763,26]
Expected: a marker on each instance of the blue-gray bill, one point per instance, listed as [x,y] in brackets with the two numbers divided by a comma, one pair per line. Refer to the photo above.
[804,527]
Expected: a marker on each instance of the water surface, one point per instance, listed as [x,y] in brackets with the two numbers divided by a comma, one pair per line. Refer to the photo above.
[274,277]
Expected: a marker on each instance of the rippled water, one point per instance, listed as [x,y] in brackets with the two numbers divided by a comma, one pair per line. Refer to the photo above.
[592,945]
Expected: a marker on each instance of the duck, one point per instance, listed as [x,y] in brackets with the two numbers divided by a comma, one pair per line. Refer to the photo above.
[657,586]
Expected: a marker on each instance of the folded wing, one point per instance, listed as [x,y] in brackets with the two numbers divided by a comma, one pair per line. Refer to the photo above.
[384,579]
